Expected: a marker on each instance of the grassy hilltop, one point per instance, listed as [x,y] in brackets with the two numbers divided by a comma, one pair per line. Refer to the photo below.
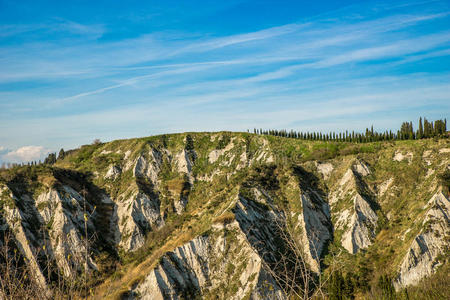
[198,179]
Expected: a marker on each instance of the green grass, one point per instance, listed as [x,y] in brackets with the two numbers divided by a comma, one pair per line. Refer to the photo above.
[283,179]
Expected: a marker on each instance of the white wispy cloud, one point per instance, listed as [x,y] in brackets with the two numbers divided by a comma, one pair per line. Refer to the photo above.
[418,57]
[57,25]
[25,154]
[87,59]
[177,81]
[216,43]
[392,50]
[304,51]
[133,80]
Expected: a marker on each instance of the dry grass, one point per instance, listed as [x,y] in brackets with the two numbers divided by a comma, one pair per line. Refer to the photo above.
[47,179]
[133,274]
[176,186]
[225,218]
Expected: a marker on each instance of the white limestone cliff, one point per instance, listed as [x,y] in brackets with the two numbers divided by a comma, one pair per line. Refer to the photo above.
[361,228]
[421,260]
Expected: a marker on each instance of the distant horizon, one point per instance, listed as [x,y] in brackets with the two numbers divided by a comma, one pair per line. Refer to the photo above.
[72,72]
[19,156]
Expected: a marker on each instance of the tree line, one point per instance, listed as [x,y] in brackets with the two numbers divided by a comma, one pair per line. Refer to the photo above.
[49,160]
[427,129]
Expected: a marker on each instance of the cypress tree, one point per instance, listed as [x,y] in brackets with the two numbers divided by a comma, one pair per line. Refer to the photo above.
[50,159]
[61,154]
[420,133]
[411,131]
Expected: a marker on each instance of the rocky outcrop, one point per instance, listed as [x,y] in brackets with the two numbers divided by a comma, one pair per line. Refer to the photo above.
[422,259]
[263,154]
[138,208]
[356,217]
[247,206]
[382,189]
[180,273]
[200,267]
[16,221]
[113,172]
[399,156]
[361,168]
[137,215]
[149,165]
[233,252]
[315,221]
[260,224]
[350,182]
[54,233]
[214,155]
[325,169]
[68,212]
[361,228]
[184,161]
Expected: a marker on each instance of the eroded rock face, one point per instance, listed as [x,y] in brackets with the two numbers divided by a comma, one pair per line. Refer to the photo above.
[385,186]
[135,197]
[215,154]
[350,181]
[232,252]
[138,215]
[325,169]
[52,231]
[200,267]
[399,156]
[361,228]
[184,161]
[16,220]
[65,210]
[421,259]
[149,167]
[181,272]
[361,168]
[315,220]
[138,209]
[260,225]
[357,219]
[113,172]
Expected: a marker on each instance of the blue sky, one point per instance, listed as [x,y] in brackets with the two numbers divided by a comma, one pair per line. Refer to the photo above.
[73,71]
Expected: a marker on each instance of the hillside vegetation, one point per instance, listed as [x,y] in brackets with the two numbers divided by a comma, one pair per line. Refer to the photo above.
[229,215]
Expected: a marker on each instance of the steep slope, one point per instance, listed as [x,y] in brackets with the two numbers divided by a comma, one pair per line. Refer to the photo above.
[214,214]
[221,264]
[358,219]
[422,258]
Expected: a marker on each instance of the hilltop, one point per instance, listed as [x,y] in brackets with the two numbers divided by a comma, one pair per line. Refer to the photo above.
[221,215]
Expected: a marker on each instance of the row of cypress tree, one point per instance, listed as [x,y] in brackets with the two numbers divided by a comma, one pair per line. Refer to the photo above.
[426,129]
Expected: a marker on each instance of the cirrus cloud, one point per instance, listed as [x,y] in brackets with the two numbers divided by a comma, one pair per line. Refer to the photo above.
[25,153]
